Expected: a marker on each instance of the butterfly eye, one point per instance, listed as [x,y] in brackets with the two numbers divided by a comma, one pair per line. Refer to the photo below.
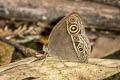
[73,29]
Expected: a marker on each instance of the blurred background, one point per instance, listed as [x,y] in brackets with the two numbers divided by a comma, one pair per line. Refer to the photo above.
[29,23]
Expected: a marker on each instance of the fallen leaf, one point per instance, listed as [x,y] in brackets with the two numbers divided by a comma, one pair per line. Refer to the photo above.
[105,46]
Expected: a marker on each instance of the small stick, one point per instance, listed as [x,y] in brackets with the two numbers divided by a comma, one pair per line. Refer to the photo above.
[25,51]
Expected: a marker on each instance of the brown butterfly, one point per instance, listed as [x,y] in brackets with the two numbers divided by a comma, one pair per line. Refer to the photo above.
[68,39]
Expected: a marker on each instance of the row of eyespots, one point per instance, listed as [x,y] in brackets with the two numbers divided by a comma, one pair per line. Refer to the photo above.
[80,47]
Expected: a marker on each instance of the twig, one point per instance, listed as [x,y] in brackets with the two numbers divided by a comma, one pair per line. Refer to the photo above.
[26,51]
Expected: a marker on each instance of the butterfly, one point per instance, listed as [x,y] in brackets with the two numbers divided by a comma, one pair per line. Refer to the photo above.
[68,39]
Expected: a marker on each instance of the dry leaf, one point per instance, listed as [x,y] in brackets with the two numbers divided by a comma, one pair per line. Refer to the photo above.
[105,46]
